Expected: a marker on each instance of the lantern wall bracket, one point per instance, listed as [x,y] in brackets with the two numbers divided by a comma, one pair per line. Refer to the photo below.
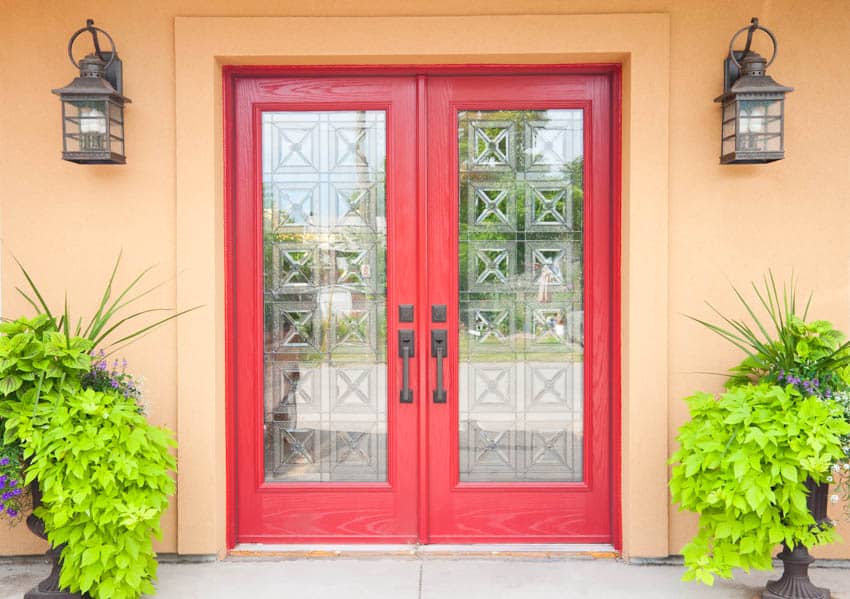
[114,68]
[732,64]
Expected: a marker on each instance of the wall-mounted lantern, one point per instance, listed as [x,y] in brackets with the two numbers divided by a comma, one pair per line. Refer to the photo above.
[753,129]
[93,105]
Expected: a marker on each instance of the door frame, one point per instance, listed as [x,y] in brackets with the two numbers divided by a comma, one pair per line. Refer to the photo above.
[231,73]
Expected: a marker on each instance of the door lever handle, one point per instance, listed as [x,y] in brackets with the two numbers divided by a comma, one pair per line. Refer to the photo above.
[439,351]
[405,351]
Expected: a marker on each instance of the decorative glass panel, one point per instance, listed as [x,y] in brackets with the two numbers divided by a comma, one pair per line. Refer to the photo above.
[324,293]
[521,295]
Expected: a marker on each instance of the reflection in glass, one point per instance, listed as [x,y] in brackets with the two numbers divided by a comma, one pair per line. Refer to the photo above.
[521,324]
[324,295]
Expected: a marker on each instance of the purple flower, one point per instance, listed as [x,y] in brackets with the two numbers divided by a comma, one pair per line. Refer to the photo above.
[113,383]
[12,513]
[7,496]
[4,461]
[3,480]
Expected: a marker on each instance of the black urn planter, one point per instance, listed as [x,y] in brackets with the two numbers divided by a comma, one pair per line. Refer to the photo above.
[49,587]
[795,583]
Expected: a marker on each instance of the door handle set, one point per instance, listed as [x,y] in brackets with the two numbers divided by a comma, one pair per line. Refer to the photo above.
[406,350]
[438,350]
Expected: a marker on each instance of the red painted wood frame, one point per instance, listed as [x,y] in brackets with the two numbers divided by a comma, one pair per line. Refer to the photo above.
[254,513]
[527,512]
[321,512]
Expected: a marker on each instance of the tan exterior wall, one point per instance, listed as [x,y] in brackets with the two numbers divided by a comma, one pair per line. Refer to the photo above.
[67,222]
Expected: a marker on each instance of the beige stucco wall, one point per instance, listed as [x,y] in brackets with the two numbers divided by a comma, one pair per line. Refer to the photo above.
[67,222]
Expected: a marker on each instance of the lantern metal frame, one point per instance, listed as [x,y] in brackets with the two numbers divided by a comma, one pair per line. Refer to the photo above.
[746,83]
[97,137]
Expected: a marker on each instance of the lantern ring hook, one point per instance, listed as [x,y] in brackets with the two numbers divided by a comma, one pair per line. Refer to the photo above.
[751,29]
[93,31]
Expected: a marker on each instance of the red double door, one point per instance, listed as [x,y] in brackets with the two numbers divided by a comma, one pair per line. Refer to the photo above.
[423,310]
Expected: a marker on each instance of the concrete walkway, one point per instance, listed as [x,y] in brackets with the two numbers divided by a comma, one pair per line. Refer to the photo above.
[430,578]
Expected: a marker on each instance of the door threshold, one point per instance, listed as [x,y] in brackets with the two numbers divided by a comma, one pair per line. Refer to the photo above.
[485,550]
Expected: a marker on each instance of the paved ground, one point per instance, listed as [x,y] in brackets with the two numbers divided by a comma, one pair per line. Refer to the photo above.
[430,578]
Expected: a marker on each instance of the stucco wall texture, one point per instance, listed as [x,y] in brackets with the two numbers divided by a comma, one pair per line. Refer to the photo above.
[67,223]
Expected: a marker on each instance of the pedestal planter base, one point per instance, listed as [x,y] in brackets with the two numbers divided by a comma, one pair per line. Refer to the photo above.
[795,583]
[49,587]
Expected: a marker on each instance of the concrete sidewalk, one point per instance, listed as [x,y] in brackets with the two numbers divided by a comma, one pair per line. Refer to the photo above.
[430,578]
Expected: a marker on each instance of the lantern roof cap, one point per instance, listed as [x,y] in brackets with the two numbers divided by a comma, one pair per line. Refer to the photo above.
[758,84]
[91,81]
[754,80]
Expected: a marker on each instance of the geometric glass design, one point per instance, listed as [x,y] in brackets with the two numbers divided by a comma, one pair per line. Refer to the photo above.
[492,265]
[492,144]
[353,387]
[355,206]
[354,267]
[353,328]
[297,266]
[324,295]
[550,206]
[494,208]
[493,386]
[521,293]
[491,327]
[293,205]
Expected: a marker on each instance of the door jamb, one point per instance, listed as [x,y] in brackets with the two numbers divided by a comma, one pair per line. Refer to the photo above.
[232,72]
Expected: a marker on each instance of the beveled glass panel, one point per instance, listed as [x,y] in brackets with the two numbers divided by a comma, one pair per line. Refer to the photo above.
[521,286]
[324,293]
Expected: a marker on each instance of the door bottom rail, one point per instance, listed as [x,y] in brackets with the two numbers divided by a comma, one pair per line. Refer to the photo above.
[498,550]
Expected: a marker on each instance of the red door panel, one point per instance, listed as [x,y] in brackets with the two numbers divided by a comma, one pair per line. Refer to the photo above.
[521,451]
[323,236]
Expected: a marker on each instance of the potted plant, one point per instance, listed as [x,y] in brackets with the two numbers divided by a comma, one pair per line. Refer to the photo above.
[75,432]
[756,461]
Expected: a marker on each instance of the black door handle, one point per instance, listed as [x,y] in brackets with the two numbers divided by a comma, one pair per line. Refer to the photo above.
[439,351]
[406,351]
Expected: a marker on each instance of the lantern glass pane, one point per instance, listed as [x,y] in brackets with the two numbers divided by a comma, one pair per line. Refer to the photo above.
[116,113]
[729,120]
[85,125]
[774,108]
[71,138]
[774,127]
[752,125]
[116,146]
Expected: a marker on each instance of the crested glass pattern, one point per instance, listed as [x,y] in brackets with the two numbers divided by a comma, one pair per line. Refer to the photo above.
[324,296]
[521,289]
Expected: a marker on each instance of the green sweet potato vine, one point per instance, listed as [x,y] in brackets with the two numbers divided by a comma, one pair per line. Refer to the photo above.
[102,469]
[742,465]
